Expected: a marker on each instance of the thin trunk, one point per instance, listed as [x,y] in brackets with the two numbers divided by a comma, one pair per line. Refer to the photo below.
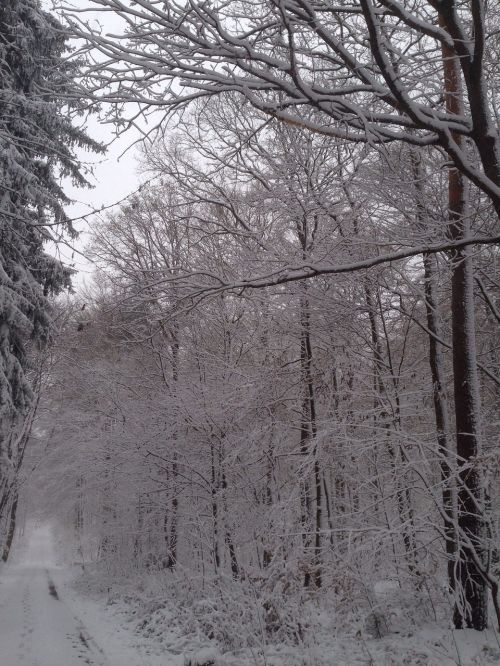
[308,436]
[268,497]
[305,488]
[442,422]
[11,526]
[79,506]
[267,554]
[235,570]
[328,507]
[438,384]
[317,526]
[402,499]
[138,536]
[172,541]
[174,503]
[215,517]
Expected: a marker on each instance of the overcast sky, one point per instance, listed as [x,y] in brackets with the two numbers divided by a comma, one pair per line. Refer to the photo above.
[114,177]
[114,174]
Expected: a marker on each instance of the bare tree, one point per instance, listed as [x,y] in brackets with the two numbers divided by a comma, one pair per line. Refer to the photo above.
[371,73]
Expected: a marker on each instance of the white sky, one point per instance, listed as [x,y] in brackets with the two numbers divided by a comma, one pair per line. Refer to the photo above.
[114,174]
[114,177]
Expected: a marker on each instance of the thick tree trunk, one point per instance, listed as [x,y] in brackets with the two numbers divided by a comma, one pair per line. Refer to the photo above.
[484,130]
[471,609]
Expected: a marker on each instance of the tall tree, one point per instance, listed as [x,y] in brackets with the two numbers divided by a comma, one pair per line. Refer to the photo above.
[38,139]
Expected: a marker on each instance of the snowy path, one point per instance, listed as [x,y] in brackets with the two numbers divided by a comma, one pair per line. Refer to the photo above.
[42,623]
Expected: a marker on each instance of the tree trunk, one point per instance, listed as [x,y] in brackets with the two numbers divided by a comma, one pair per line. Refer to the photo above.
[308,437]
[441,413]
[471,607]
[215,517]
[11,529]
[396,454]
[442,421]
[174,502]
[471,594]
[235,569]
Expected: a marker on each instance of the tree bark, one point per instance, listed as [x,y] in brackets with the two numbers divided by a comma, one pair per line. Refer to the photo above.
[441,413]
[172,538]
[308,437]
[471,608]
[11,526]
[442,422]
[235,569]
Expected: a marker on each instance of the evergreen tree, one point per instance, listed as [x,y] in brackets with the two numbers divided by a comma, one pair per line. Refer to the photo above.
[37,140]
[38,101]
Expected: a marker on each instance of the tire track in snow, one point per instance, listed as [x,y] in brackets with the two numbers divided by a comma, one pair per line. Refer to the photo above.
[81,641]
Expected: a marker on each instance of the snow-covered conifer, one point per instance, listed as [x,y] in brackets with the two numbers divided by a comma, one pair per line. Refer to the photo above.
[37,142]
[38,138]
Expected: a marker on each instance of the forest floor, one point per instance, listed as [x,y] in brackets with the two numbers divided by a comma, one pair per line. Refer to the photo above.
[55,615]
[405,644]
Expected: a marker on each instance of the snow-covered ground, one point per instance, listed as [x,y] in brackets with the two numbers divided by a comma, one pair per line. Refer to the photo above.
[51,615]
[166,616]
[43,622]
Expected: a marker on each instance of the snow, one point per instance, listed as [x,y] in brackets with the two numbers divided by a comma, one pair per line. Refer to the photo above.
[62,628]
[47,619]
[171,623]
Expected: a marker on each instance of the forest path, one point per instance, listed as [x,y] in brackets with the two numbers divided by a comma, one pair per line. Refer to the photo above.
[43,624]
